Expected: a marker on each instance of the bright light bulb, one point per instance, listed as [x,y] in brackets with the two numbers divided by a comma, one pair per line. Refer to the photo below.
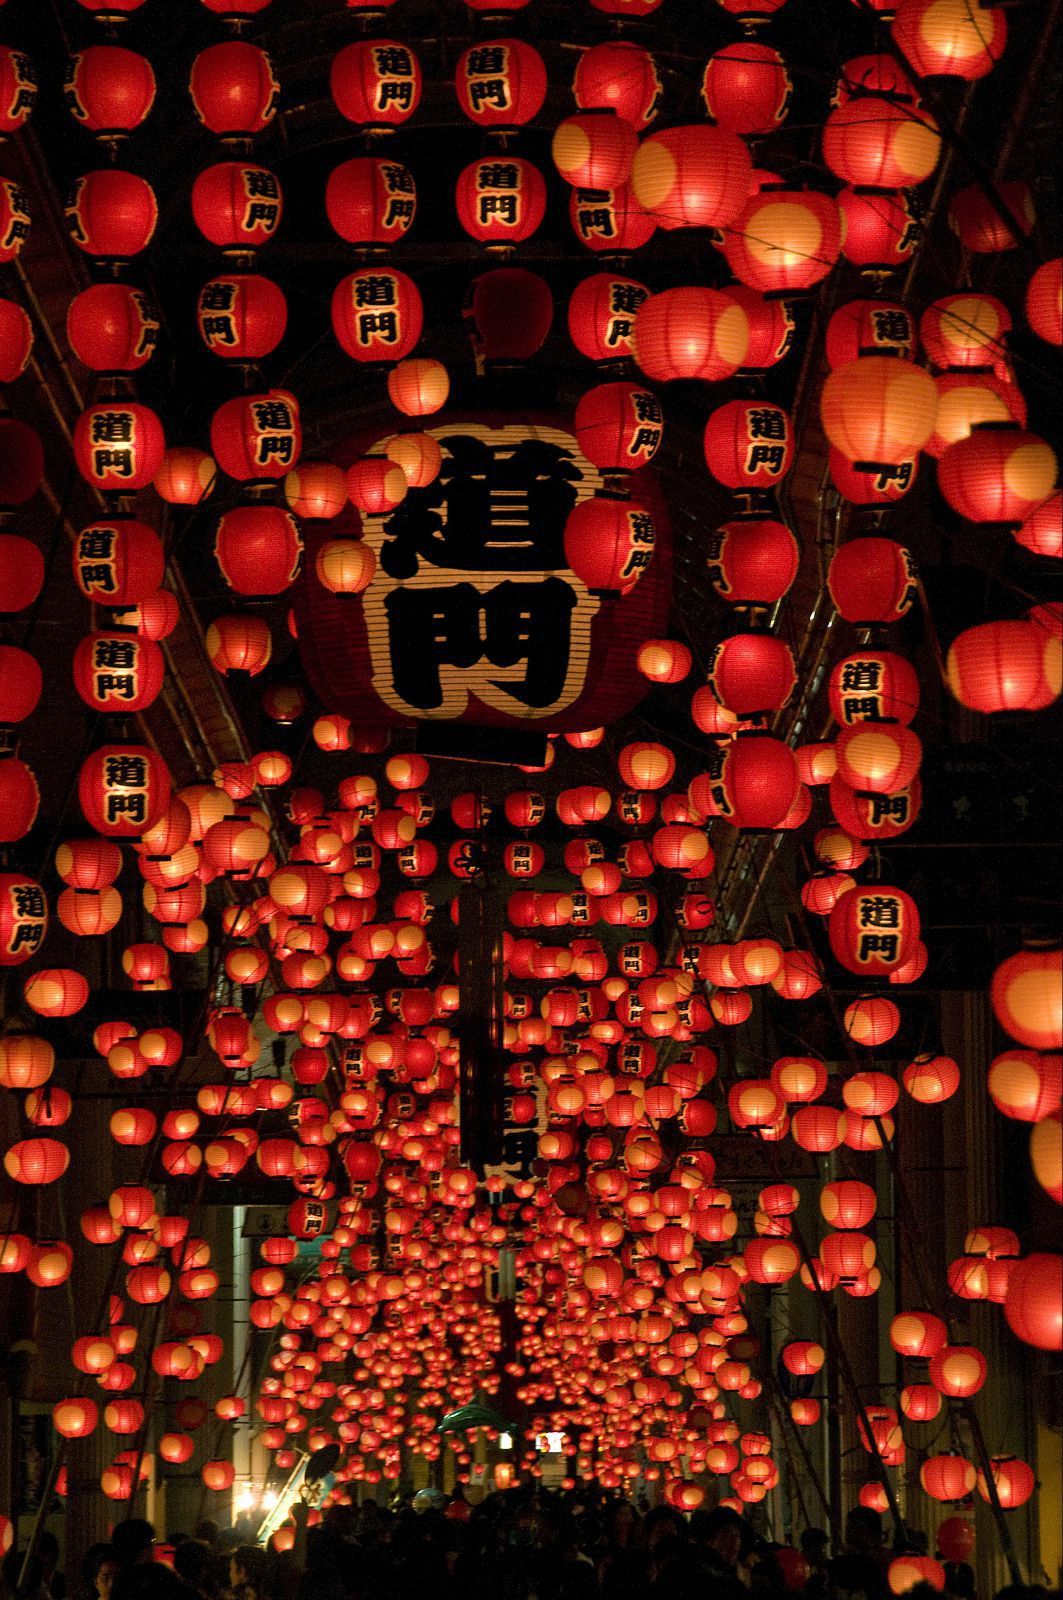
[505,1441]
[269,1499]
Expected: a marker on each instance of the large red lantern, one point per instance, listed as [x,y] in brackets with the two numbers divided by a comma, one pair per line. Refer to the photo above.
[1014,1479]
[874,816]
[123,790]
[690,333]
[619,426]
[18,90]
[370,200]
[1027,998]
[601,315]
[869,327]
[965,330]
[873,930]
[783,239]
[752,673]
[1005,666]
[748,444]
[376,83]
[112,328]
[885,144]
[950,38]
[35,1161]
[621,77]
[242,316]
[501,199]
[257,437]
[23,918]
[1044,301]
[15,219]
[877,757]
[500,83]
[237,205]
[258,549]
[1033,1304]
[752,562]
[610,220]
[377,314]
[118,672]
[111,214]
[746,88]
[609,543]
[508,313]
[118,561]
[873,686]
[880,231]
[109,90]
[878,410]
[999,473]
[872,581]
[594,150]
[756,783]
[234,89]
[692,177]
[118,445]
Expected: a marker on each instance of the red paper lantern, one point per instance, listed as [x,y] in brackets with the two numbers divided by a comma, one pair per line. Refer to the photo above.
[1044,301]
[16,341]
[110,214]
[117,673]
[21,572]
[784,239]
[118,561]
[692,177]
[594,150]
[15,219]
[882,143]
[965,330]
[18,90]
[20,684]
[19,799]
[610,220]
[508,313]
[500,83]
[999,473]
[1042,531]
[873,686]
[871,1021]
[877,758]
[880,231]
[979,220]
[879,73]
[1027,998]
[601,315]
[112,328]
[118,445]
[874,816]
[241,317]
[1033,1304]
[746,88]
[377,314]
[872,581]
[957,39]
[500,199]
[109,90]
[748,444]
[873,930]
[879,410]
[752,673]
[609,543]
[958,1371]
[1025,1084]
[690,333]
[239,644]
[237,205]
[257,437]
[186,476]
[234,89]
[1005,666]
[869,327]
[871,486]
[35,1161]
[123,790]
[371,200]
[757,781]
[258,549]
[376,83]
[621,77]
[752,562]
[619,426]
[947,1477]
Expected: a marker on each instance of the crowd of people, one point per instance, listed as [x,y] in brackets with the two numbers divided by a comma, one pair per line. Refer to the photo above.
[519,1545]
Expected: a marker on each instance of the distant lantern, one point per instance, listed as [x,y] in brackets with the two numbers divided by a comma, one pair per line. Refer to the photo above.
[752,673]
[950,38]
[872,581]
[118,445]
[880,229]
[784,239]
[20,684]
[237,205]
[500,83]
[377,314]
[501,199]
[418,386]
[376,83]
[234,89]
[371,201]
[508,312]
[881,142]
[109,90]
[1014,1479]
[21,569]
[618,76]
[965,330]
[985,224]
[947,1477]
[757,782]
[601,315]
[752,563]
[239,644]
[690,333]
[112,328]
[871,1021]
[111,214]
[748,444]
[186,476]
[878,410]
[746,88]
[693,176]
[241,317]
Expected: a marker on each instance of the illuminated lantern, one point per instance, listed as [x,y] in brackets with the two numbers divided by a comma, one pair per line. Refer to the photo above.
[871,1021]
[664,660]
[316,489]
[18,90]
[118,446]
[950,38]
[646,766]
[873,929]
[746,88]
[880,231]
[23,918]
[345,566]
[75,1418]
[879,410]
[999,473]
[871,486]
[376,83]
[185,477]
[420,456]
[1027,998]
[965,330]
[959,1371]
[918,1333]
[874,816]
[869,327]
[377,314]
[757,783]
[692,177]
[1014,1480]
[26,1062]
[371,201]
[752,673]
[112,328]
[979,224]
[109,90]
[610,220]
[752,562]
[1026,1085]
[218,1475]
[908,1571]
[609,543]
[947,1477]
[123,790]
[771,1261]
[110,214]
[802,1357]
[1042,531]
[882,143]
[116,673]
[1044,301]
[1004,666]
[15,220]
[748,445]
[508,313]
[237,205]
[234,89]
[847,1203]
[619,426]
[877,758]
[16,341]
[783,239]
[690,333]
[35,1161]
[1033,1304]
[920,1402]
[257,437]
[620,77]
[594,150]
[601,315]
[418,387]
[872,581]
[500,83]
[501,200]
[931,1079]
[969,400]
[258,548]
[241,317]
